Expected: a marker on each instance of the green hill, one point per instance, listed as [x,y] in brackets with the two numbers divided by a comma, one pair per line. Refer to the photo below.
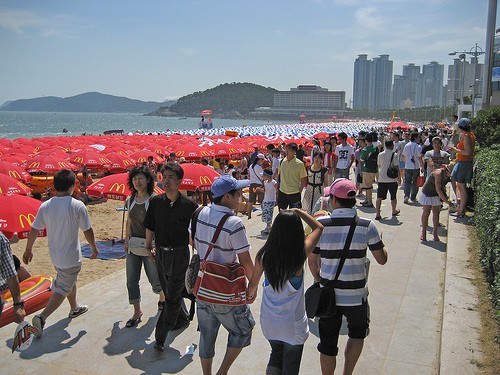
[228,100]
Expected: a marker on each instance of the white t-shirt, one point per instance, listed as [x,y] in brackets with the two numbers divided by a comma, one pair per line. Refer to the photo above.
[270,191]
[383,161]
[344,155]
[255,174]
[413,151]
[63,217]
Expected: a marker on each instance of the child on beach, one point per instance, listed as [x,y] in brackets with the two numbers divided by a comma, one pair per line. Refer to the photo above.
[282,313]
[269,201]
[63,216]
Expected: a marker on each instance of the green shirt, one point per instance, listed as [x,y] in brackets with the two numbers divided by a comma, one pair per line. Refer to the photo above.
[365,153]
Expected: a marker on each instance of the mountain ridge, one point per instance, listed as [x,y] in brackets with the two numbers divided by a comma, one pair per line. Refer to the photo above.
[85,102]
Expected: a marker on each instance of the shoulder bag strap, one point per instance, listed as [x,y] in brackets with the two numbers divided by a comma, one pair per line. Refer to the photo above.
[214,239]
[347,245]
[392,157]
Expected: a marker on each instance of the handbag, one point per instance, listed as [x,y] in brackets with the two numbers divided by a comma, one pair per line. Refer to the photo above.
[392,171]
[221,284]
[320,301]
[420,181]
[137,246]
[194,263]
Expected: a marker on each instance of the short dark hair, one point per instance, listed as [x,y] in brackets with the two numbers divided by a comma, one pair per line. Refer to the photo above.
[292,146]
[174,167]
[413,136]
[144,171]
[275,151]
[63,180]
[389,144]
[346,202]
[342,135]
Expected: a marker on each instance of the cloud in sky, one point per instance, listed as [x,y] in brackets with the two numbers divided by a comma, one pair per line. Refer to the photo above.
[156,49]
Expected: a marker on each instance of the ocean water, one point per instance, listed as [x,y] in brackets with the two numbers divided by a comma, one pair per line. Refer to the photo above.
[38,124]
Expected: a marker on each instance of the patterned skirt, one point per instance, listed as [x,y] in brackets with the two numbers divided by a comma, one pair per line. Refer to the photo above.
[311,195]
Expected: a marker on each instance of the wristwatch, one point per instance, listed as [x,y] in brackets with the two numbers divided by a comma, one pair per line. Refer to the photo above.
[19,304]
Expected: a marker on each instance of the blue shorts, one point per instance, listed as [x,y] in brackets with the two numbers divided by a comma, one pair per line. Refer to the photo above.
[401,165]
[237,320]
[462,172]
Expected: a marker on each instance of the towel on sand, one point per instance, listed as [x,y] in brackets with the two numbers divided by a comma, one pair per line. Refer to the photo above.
[111,249]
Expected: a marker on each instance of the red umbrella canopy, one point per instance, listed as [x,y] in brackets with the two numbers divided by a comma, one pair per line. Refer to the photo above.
[197,176]
[193,152]
[142,156]
[92,159]
[225,150]
[17,213]
[395,125]
[15,171]
[9,185]
[48,164]
[119,162]
[114,186]
[206,112]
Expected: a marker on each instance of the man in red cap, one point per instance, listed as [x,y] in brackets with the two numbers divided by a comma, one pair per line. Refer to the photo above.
[351,290]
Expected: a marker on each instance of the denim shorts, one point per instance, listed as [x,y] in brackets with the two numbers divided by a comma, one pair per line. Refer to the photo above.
[237,320]
[65,280]
[462,172]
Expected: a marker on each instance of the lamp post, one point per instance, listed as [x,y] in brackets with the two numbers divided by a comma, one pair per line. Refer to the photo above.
[475,51]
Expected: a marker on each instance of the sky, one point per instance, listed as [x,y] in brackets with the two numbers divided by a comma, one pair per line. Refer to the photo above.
[165,49]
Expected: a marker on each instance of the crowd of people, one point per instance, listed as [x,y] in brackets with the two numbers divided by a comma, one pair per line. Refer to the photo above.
[300,181]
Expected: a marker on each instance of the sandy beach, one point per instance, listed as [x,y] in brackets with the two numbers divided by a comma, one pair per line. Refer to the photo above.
[107,224]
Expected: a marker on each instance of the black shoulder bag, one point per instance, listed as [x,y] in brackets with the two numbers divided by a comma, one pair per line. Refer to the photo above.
[320,301]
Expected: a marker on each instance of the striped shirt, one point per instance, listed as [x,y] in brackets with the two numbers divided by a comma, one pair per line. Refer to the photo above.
[351,286]
[232,239]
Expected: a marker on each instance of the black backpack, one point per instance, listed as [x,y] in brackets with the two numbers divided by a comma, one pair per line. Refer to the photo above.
[371,161]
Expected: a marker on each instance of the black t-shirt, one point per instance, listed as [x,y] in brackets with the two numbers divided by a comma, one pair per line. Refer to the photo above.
[300,154]
[170,223]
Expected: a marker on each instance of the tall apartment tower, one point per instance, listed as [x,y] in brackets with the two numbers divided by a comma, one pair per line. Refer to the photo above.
[463,79]
[432,85]
[361,89]
[382,83]
[372,83]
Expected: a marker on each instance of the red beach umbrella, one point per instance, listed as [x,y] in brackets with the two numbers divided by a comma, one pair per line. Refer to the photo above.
[395,125]
[17,213]
[48,164]
[226,150]
[92,159]
[15,171]
[142,156]
[206,112]
[114,186]
[197,176]
[9,185]
[193,152]
[119,162]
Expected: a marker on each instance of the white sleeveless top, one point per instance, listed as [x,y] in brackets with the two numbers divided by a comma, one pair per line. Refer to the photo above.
[283,314]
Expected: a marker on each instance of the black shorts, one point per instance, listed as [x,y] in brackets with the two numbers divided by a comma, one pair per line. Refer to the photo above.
[384,187]
[289,200]
[255,195]
[358,326]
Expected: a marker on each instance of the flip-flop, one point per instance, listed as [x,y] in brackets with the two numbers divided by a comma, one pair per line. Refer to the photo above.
[132,322]
[396,213]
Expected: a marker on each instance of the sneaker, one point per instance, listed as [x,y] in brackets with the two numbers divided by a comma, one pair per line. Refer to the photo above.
[264,232]
[78,311]
[406,200]
[38,322]
[160,346]
[367,204]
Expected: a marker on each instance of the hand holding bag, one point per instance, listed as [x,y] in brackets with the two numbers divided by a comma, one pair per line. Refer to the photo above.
[320,301]
[194,264]
[420,181]
[222,284]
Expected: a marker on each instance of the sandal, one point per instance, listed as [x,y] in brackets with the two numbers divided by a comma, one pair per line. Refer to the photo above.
[161,305]
[396,213]
[132,322]
[378,217]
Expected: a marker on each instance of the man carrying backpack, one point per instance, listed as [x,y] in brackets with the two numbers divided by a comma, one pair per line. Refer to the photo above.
[369,169]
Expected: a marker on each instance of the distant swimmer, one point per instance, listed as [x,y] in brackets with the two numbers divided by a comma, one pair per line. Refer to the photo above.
[65,130]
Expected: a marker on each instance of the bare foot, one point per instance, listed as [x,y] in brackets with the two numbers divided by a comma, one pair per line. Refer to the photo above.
[423,237]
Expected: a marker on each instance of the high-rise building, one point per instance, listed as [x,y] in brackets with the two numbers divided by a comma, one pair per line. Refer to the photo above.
[463,79]
[432,85]
[361,89]
[372,83]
